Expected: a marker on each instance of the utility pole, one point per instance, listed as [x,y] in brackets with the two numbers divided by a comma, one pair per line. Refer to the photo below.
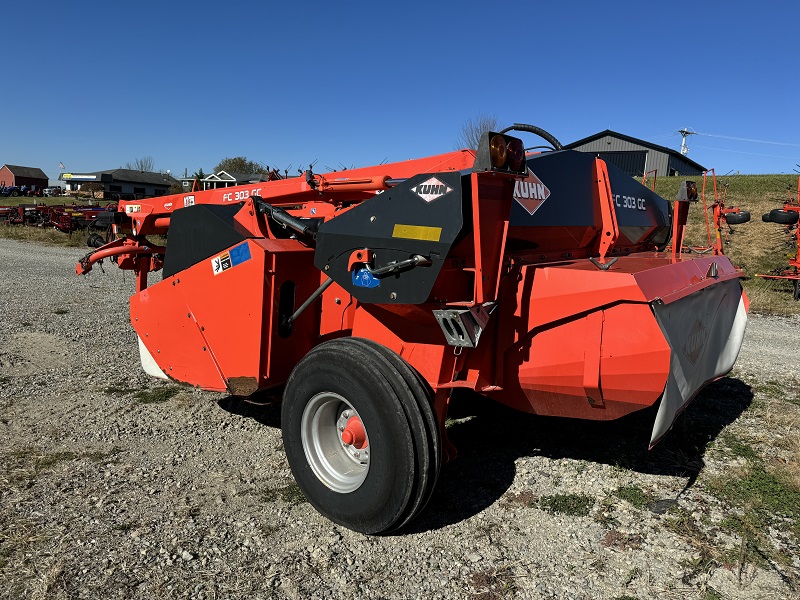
[684,133]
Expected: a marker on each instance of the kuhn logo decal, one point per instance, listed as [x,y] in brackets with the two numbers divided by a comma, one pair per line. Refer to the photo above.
[431,190]
[531,192]
[695,342]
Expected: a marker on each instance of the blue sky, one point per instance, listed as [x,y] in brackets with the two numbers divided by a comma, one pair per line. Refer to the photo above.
[100,84]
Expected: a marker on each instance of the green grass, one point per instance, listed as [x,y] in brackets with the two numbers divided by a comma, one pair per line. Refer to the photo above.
[291,494]
[118,389]
[27,464]
[759,497]
[634,495]
[576,505]
[156,395]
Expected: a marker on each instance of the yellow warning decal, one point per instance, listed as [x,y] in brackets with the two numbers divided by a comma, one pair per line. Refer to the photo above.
[417,232]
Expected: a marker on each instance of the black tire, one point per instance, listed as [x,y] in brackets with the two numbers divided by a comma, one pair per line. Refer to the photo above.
[420,413]
[357,376]
[94,240]
[765,218]
[743,216]
[784,217]
[796,290]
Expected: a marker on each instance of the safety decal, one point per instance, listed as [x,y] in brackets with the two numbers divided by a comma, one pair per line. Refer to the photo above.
[231,258]
[133,208]
[531,193]
[431,189]
[417,232]
[363,278]
[188,200]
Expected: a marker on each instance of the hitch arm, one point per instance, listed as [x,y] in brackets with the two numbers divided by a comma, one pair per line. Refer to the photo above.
[281,217]
[115,248]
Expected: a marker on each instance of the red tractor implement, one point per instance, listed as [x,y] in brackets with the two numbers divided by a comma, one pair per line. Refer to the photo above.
[721,216]
[788,216]
[538,281]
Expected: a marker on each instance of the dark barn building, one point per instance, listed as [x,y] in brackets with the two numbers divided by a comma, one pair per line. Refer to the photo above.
[637,157]
[32,177]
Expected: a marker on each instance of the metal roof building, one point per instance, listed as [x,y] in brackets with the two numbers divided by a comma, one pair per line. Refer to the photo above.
[636,157]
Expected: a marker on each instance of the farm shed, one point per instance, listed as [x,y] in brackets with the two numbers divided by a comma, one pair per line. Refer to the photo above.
[122,181]
[635,156]
[33,177]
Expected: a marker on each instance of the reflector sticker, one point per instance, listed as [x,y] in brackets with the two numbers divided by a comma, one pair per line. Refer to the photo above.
[363,278]
[531,193]
[431,189]
[417,232]
[231,258]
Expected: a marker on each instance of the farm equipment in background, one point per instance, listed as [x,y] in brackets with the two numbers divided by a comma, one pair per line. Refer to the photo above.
[788,216]
[538,281]
[65,218]
[721,216]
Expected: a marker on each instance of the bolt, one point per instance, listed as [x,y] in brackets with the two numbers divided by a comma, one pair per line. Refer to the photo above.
[338,300]
[346,414]
[327,267]
[188,314]
[372,219]
[356,454]
[393,296]
[341,427]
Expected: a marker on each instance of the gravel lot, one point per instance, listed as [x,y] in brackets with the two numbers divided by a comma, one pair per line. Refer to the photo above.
[104,494]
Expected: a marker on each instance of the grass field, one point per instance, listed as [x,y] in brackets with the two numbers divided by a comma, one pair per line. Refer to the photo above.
[756,247]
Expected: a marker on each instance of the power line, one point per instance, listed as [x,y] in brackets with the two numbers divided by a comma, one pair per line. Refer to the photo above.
[743,152]
[739,139]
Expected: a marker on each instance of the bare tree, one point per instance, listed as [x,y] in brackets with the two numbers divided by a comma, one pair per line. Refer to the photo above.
[145,163]
[470,134]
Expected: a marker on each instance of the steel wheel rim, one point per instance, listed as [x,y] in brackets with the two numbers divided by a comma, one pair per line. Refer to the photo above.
[341,467]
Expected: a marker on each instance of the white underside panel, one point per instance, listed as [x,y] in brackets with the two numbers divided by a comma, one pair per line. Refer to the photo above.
[148,362]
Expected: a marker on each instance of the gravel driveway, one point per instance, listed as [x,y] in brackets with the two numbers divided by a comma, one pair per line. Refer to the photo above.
[112,488]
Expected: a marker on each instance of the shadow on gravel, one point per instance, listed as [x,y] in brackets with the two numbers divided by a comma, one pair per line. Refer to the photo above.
[495,436]
[262,409]
[491,437]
